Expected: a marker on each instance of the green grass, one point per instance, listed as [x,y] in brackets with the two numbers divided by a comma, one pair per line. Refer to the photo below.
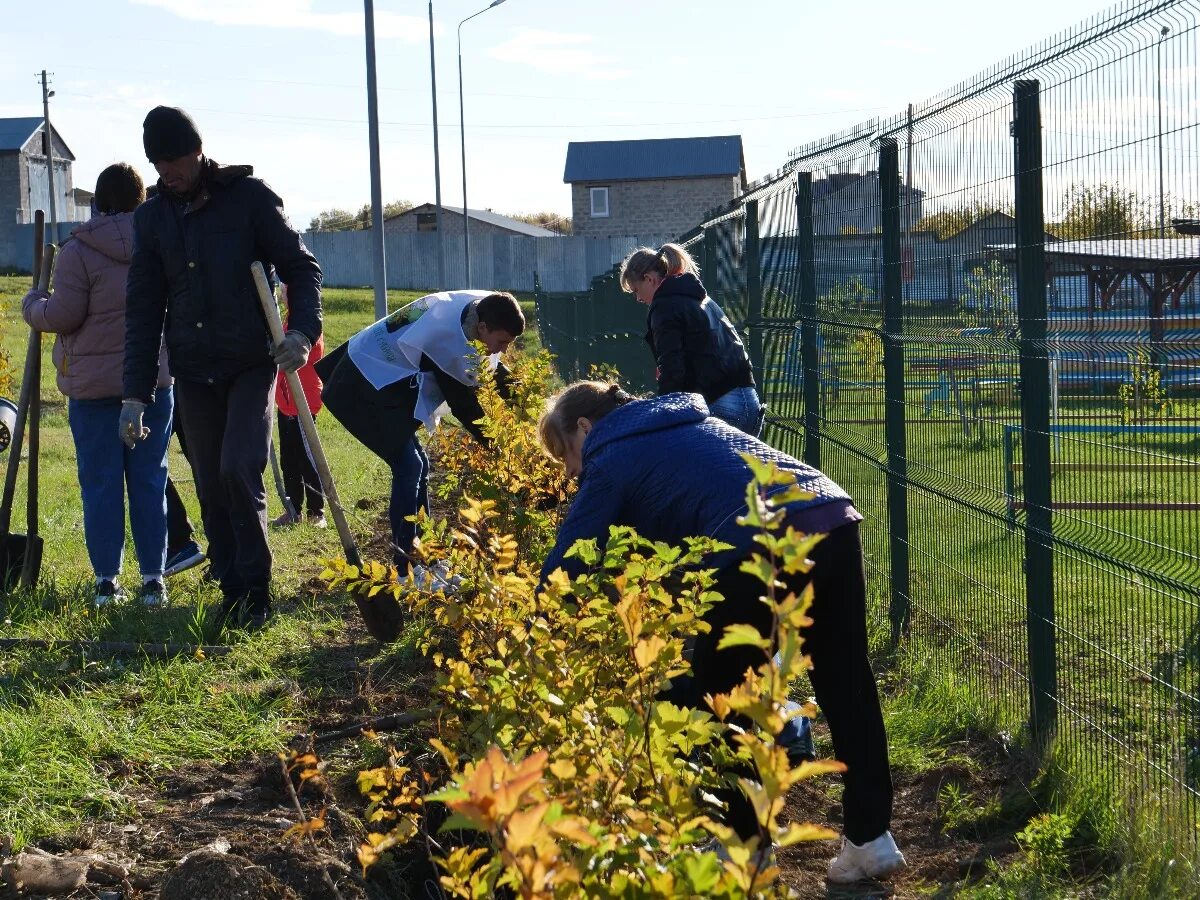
[79,733]
[66,720]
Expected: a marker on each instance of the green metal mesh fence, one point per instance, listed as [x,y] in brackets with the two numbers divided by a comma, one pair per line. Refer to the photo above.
[981,317]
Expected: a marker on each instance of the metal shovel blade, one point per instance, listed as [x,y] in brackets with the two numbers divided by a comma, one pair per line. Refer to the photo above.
[20,560]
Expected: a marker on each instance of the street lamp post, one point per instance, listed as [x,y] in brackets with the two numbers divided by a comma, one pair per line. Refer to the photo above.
[377,237]
[1162,208]
[437,162]
[462,129]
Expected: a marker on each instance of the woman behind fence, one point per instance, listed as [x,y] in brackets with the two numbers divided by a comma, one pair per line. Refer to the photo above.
[695,346]
[626,454]
[87,312]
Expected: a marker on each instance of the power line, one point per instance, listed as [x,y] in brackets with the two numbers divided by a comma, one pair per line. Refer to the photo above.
[574,98]
[540,125]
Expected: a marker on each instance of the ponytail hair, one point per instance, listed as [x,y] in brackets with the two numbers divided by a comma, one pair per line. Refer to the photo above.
[592,400]
[668,260]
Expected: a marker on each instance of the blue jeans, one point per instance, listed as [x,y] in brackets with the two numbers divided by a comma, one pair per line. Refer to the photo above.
[107,469]
[410,492]
[739,408]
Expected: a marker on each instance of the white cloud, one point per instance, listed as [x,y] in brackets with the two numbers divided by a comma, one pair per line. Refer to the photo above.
[293,14]
[560,54]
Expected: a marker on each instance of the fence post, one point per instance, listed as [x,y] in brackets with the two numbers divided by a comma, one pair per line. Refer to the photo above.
[570,327]
[1035,409]
[754,297]
[899,611]
[710,263]
[809,360]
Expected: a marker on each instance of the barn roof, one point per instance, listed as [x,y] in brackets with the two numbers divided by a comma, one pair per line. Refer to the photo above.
[16,132]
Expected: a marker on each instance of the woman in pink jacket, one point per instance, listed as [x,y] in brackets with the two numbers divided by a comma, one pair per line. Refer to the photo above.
[87,312]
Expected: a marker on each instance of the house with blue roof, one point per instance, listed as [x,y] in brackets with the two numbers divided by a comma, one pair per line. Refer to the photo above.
[24,179]
[651,187]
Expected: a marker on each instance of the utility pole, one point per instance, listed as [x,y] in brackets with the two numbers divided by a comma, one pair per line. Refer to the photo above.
[376,186]
[48,145]
[437,163]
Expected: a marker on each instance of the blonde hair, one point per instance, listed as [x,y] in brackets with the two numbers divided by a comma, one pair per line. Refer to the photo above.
[592,400]
[667,260]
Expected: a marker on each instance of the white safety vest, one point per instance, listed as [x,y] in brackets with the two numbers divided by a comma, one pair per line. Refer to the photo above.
[430,326]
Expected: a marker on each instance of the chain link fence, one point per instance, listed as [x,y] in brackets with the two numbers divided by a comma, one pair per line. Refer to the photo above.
[981,317]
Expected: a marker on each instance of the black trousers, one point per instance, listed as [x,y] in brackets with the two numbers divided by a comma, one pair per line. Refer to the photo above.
[842,679]
[179,526]
[228,429]
[300,478]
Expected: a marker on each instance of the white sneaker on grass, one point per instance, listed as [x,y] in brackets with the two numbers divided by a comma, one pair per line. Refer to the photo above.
[108,592]
[873,859]
[153,593]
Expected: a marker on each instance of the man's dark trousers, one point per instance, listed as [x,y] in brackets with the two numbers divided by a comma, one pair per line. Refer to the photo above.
[228,429]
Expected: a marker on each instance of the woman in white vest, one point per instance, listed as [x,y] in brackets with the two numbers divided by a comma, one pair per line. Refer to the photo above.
[405,371]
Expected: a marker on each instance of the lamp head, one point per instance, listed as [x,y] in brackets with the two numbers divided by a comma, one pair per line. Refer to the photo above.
[1166,29]
[495,3]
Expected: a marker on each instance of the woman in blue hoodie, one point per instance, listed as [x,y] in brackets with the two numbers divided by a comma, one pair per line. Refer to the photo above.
[695,346]
[667,468]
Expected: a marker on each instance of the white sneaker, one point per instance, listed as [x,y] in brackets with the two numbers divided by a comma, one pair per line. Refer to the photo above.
[873,859]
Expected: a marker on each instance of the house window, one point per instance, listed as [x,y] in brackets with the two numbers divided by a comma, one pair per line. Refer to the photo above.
[426,221]
[599,202]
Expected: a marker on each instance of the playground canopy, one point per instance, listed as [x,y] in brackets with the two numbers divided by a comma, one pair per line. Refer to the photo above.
[1164,267]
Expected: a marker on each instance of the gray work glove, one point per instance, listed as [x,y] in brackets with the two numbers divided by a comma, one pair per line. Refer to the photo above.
[129,426]
[292,352]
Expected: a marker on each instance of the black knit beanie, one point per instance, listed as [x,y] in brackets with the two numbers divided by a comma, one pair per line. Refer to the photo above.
[169,133]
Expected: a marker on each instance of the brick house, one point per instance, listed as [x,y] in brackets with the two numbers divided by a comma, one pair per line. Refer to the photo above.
[24,181]
[484,222]
[663,186]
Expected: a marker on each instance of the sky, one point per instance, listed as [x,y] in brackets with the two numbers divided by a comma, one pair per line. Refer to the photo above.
[281,84]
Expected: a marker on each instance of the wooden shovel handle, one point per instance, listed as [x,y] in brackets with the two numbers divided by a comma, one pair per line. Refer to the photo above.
[307,425]
[35,401]
[32,356]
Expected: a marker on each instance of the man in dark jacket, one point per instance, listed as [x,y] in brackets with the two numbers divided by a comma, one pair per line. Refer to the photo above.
[193,243]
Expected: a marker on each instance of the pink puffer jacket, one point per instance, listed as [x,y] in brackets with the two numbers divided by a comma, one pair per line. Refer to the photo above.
[87,309]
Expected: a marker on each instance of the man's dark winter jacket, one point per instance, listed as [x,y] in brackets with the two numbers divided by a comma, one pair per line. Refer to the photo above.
[667,468]
[695,346]
[191,270]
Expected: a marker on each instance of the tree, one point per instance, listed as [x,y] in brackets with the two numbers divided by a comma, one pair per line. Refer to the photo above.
[989,296]
[553,221]
[1104,211]
[335,219]
[951,221]
[338,219]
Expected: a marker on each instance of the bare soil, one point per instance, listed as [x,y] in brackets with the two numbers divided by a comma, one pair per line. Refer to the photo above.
[242,810]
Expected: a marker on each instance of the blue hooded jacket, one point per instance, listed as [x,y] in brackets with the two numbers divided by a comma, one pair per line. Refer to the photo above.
[669,470]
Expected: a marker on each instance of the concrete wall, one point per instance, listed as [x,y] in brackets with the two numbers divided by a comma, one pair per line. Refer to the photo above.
[16,243]
[503,262]
[667,206]
[11,190]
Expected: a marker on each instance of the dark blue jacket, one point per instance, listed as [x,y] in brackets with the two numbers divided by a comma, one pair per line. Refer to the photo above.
[695,346]
[667,468]
[190,274]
